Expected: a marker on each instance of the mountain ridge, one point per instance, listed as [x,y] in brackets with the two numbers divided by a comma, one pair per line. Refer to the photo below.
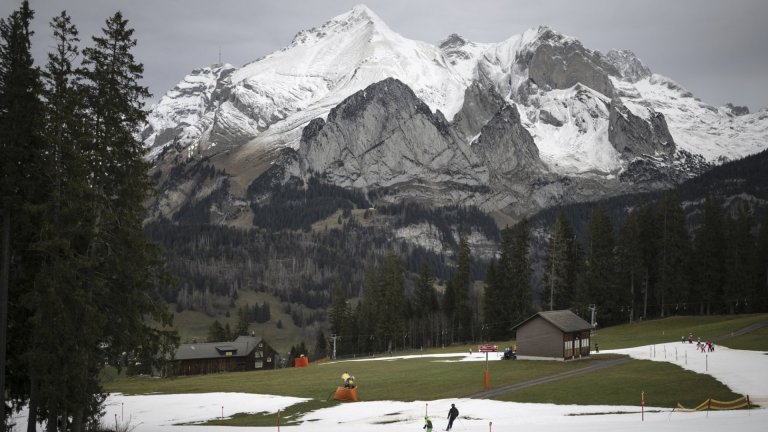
[601,124]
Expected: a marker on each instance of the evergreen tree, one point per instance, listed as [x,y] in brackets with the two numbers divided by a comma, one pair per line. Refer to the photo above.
[457,304]
[710,254]
[426,308]
[495,325]
[674,254]
[216,332]
[321,345]
[741,262]
[759,299]
[391,324]
[601,269]
[630,262]
[338,309]
[23,190]
[559,271]
[241,329]
[520,273]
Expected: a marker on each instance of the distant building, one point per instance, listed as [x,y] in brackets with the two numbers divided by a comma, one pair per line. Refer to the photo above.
[553,334]
[245,353]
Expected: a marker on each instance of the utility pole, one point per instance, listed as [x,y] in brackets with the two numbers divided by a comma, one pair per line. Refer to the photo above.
[334,337]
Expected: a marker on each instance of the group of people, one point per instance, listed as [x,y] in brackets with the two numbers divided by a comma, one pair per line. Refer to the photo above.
[707,346]
[452,414]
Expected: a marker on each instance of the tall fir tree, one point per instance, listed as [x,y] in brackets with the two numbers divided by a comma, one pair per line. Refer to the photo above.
[630,262]
[741,262]
[601,289]
[710,255]
[559,271]
[23,190]
[760,296]
[674,255]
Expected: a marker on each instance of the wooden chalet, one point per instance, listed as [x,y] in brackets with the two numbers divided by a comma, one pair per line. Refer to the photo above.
[245,353]
[553,334]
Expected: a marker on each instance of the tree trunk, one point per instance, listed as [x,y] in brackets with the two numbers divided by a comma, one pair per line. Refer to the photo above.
[77,420]
[32,418]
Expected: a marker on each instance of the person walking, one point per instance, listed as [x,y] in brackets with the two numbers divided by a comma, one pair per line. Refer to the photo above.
[452,414]
[427,424]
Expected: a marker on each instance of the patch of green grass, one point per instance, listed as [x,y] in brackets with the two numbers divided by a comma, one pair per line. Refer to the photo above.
[194,325]
[664,385]
[755,341]
[396,379]
[670,329]
[289,417]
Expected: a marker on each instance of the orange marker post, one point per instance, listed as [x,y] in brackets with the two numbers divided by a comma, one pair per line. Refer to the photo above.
[642,405]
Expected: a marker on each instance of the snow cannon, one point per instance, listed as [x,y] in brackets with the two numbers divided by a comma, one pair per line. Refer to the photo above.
[301,361]
[349,391]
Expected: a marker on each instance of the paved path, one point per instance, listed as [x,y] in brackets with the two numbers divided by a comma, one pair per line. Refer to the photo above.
[745,330]
[597,365]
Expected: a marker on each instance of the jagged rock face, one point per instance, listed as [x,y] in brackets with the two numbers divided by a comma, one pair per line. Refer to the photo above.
[507,149]
[563,65]
[481,102]
[628,65]
[633,136]
[737,110]
[384,136]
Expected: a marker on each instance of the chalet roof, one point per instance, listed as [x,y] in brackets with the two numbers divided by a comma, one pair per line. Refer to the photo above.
[240,347]
[565,320]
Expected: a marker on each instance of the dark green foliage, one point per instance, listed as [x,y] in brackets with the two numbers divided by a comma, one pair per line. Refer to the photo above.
[295,207]
[508,297]
[84,277]
[561,265]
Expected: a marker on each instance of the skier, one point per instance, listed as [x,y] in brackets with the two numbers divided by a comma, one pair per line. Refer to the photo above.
[427,424]
[452,414]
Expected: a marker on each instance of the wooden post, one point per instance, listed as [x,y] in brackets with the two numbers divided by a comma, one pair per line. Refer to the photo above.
[278,420]
[642,405]
[490,426]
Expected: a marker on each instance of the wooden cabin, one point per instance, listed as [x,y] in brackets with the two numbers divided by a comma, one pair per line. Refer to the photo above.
[561,335]
[246,353]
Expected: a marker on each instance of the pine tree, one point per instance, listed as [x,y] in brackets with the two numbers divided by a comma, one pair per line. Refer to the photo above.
[710,254]
[601,268]
[741,264]
[216,332]
[23,190]
[338,309]
[630,262]
[321,345]
[559,271]
[457,303]
[674,254]
[759,299]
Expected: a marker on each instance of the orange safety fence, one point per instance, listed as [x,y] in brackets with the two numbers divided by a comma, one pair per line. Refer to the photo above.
[712,404]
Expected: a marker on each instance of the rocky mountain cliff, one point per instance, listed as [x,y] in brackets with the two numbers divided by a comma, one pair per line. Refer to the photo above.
[514,126]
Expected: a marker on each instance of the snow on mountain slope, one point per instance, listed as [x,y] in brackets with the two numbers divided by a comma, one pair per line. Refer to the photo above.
[696,126]
[324,65]
[563,91]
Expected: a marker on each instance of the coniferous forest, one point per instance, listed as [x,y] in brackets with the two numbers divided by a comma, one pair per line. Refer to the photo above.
[80,279]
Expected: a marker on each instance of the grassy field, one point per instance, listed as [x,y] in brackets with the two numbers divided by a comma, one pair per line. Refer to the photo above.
[664,385]
[434,378]
[713,327]
[193,325]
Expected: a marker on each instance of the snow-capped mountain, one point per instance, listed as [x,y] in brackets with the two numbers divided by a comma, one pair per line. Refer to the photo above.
[590,124]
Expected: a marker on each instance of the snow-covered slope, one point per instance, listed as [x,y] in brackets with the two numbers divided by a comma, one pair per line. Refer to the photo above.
[600,118]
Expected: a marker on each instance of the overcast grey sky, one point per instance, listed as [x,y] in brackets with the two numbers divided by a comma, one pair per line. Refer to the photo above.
[718,49]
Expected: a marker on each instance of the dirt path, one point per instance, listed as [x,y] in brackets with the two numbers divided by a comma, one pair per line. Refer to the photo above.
[599,364]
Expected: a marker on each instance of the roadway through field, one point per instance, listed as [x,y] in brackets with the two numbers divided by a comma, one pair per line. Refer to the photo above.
[598,364]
